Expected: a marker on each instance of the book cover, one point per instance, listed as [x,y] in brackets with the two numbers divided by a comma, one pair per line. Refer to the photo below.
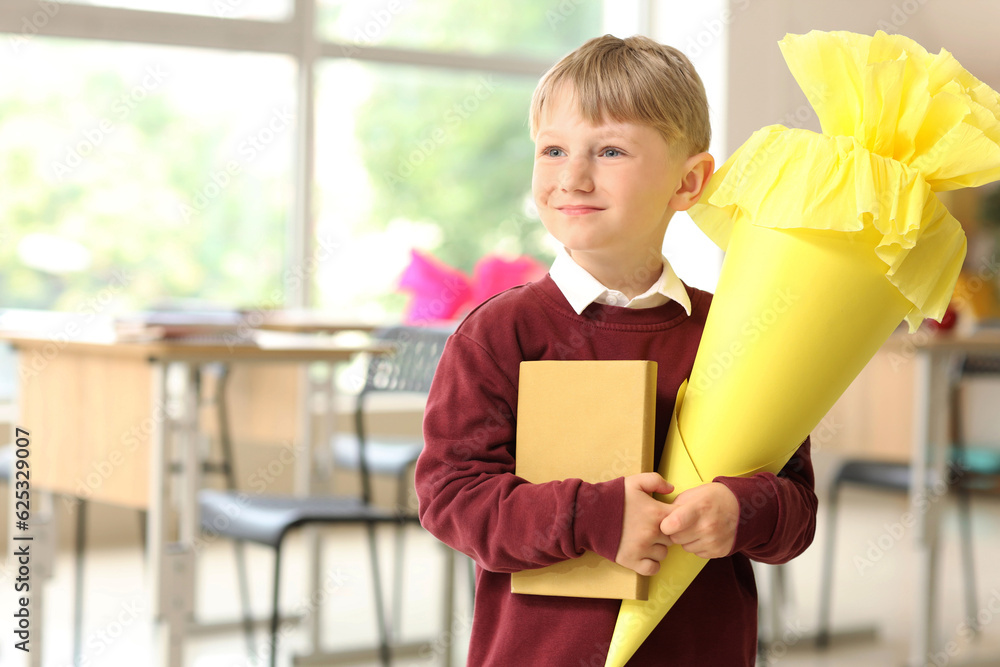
[589,420]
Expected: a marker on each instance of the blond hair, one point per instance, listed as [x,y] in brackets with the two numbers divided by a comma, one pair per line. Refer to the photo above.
[634,80]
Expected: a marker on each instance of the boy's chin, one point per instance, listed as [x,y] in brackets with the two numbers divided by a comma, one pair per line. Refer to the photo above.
[592,251]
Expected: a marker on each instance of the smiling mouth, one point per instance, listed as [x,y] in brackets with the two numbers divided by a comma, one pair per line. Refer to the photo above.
[578,210]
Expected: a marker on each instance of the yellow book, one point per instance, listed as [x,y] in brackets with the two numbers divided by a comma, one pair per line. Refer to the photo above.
[589,420]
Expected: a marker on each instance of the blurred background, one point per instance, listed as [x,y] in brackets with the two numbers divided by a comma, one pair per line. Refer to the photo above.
[295,154]
[154,151]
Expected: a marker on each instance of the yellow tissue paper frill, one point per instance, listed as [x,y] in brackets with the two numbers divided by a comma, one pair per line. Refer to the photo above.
[833,183]
[899,124]
[899,101]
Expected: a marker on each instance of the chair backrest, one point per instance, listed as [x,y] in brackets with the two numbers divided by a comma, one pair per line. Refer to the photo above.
[977,461]
[409,368]
[980,365]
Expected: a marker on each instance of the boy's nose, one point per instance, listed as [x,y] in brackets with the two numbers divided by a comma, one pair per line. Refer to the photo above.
[576,176]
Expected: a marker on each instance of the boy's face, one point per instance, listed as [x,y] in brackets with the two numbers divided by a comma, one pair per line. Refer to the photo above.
[603,191]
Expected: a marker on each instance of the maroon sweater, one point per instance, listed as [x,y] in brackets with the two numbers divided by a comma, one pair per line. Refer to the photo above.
[471,499]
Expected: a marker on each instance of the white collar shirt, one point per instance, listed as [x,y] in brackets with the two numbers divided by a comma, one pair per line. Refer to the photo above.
[582,289]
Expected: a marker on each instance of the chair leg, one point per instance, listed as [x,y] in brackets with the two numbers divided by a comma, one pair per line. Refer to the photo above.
[229,471]
[963,500]
[472,582]
[778,600]
[81,538]
[763,637]
[143,518]
[383,640]
[395,628]
[274,606]
[826,581]
[241,567]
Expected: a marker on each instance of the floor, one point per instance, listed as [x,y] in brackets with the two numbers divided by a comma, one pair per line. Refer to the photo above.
[873,568]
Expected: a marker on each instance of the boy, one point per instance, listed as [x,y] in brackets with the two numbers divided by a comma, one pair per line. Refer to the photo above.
[621,129]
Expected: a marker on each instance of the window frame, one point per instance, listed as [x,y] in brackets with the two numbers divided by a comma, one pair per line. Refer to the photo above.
[295,37]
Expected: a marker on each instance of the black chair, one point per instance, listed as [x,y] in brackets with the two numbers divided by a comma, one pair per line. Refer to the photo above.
[267,520]
[410,371]
[970,469]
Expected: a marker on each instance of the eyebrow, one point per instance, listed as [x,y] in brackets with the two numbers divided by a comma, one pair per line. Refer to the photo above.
[607,136]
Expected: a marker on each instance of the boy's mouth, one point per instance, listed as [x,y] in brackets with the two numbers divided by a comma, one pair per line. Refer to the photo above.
[578,210]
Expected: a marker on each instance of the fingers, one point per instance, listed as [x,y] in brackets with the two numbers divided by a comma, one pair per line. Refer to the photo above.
[641,556]
[694,548]
[703,549]
[646,560]
[658,552]
[701,546]
[651,482]
[648,567]
[642,545]
[703,520]
[678,520]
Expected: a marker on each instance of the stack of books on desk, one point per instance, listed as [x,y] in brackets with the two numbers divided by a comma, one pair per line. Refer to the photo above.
[171,325]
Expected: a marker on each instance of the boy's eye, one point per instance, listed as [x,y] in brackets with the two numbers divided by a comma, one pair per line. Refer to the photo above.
[552,151]
[611,152]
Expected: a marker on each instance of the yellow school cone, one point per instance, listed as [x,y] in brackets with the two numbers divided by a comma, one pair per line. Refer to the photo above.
[831,241]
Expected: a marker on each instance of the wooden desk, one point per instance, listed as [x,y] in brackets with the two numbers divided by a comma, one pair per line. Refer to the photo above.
[935,358]
[100,414]
[312,321]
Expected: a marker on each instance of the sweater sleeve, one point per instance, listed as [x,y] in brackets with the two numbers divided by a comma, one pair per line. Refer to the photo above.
[470,497]
[777,512]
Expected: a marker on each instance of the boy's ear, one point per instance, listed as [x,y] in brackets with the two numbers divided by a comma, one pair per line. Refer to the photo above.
[697,170]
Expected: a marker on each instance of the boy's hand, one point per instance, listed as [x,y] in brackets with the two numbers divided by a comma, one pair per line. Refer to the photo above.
[643,546]
[703,520]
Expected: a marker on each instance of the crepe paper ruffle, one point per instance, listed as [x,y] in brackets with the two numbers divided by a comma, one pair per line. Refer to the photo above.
[440,293]
[899,125]
[901,102]
[806,180]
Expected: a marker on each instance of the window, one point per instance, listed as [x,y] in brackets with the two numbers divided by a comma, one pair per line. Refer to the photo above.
[155,173]
[265,10]
[439,162]
[525,28]
[171,171]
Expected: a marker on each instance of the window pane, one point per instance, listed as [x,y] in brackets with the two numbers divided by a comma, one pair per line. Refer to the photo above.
[142,174]
[527,28]
[263,10]
[428,159]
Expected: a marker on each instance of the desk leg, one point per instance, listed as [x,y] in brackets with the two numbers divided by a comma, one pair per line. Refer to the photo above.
[309,395]
[190,458]
[156,518]
[928,456]
[168,637]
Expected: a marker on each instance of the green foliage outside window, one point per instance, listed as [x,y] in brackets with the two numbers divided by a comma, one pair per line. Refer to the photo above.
[115,186]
